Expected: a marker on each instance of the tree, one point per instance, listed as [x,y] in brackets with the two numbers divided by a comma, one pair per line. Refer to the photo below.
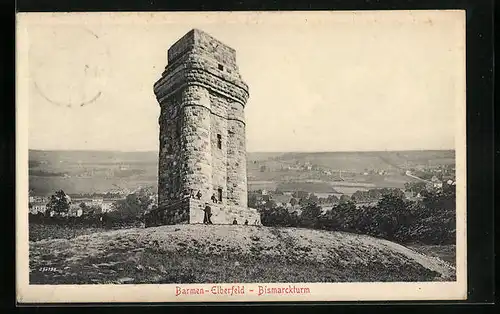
[344,198]
[360,196]
[344,215]
[332,198]
[95,210]
[252,200]
[303,201]
[134,205]
[300,194]
[90,210]
[269,204]
[415,187]
[310,214]
[322,200]
[374,194]
[277,216]
[440,200]
[393,214]
[59,203]
[313,198]
[83,207]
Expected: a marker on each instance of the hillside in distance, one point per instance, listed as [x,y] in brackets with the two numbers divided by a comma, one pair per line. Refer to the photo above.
[105,171]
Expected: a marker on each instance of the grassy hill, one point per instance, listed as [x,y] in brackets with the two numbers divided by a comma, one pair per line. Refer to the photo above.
[102,171]
[227,253]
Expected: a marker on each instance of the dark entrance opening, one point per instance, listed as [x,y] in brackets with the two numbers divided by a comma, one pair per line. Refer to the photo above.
[219,192]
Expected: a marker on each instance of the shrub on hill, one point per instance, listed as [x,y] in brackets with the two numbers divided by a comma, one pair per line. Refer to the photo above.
[429,221]
[279,216]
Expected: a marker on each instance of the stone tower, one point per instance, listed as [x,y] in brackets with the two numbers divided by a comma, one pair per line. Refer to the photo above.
[202,133]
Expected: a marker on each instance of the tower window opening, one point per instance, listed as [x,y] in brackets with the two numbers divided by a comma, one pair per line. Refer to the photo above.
[221,67]
[219,192]
[219,141]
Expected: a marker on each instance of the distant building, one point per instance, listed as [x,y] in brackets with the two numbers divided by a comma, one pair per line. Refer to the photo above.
[281,199]
[87,201]
[438,185]
[409,194]
[38,199]
[37,207]
[448,178]
[75,211]
[105,204]
[434,185]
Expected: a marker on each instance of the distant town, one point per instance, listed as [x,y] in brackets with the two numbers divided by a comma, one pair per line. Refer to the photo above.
[298,182]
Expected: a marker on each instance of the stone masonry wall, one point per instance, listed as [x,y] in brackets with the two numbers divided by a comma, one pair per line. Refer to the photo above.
[202,99]
[206,44]
[197,58]
[170,153]
[219,155]
[236,161]
[196,170]
[222,214]
[174,213]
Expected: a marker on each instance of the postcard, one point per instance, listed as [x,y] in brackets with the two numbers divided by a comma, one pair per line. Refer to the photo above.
[241,156]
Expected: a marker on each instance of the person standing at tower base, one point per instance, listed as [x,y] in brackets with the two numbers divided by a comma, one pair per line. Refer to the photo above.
[208,214]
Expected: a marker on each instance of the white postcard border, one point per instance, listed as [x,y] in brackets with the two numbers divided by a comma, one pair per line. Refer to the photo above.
[27,293]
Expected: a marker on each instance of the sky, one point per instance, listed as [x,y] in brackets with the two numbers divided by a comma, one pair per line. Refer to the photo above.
[331,81]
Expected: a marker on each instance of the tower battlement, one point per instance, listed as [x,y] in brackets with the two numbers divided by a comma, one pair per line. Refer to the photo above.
[200,59]
[198,39]
[202,130]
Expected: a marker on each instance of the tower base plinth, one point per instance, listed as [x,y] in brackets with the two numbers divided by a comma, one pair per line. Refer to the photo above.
[191,211]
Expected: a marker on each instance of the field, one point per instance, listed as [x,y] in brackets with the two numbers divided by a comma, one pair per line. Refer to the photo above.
[359,161]
[227,253]
[101,171]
